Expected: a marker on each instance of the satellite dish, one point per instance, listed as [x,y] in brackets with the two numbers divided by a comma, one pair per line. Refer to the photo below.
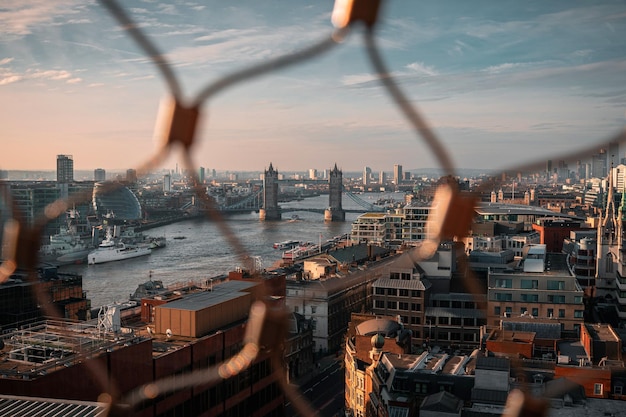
[150,331]
[168,333]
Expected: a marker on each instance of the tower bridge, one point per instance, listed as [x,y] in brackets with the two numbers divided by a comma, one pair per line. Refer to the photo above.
[265,201]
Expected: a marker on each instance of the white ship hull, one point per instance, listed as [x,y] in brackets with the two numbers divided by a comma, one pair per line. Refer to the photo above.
[111,254]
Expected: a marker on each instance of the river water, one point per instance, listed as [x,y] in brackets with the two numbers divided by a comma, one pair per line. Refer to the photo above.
[205,253]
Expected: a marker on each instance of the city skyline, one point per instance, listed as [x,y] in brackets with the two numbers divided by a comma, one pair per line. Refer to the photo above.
[501,85]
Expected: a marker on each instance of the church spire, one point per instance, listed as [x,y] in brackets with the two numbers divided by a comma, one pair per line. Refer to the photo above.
[610,218]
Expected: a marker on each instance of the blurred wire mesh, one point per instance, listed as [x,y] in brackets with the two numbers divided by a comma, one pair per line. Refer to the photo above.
[176,128]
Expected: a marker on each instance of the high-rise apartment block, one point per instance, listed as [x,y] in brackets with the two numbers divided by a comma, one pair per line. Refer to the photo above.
[367,172]
[312,173]
[397,174]
[65,168]
[131,176]
[99,175]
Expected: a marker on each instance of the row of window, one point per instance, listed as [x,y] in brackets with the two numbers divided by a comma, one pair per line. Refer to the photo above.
[529,284]
[551,298]
[402,292]
[497,310]
[397,305]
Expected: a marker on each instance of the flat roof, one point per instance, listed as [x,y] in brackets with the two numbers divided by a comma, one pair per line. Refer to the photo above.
[223,292]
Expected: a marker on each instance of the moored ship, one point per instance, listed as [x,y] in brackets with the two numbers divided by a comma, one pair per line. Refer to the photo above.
[111,250]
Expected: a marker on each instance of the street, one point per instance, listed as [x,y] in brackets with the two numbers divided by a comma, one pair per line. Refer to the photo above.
[325,391]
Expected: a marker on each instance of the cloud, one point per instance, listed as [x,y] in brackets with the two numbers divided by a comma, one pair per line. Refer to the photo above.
[496,69]
[19,18]
[8,79]
[421,68]
[5,61]
[74,80]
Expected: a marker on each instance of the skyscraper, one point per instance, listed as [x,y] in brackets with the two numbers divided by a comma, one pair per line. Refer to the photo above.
[367,172]
[65,168]
[397,174]
[131,176]
[99,175]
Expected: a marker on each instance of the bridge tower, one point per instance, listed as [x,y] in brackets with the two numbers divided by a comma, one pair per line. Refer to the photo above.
[335,212]
[270,210]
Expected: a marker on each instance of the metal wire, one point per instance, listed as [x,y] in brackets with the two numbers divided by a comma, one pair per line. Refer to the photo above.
[22,249]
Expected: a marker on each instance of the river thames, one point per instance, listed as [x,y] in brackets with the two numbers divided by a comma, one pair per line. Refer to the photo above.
[197,250]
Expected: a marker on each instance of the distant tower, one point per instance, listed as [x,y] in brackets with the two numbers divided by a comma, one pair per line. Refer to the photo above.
[201,175]
[335,190]
[131,176]
[610,243]
[312,174]
[382,178]
[65,168]
[167,183]
[367,172]
[397,174]
[99,175]
[270,210]
[493,197]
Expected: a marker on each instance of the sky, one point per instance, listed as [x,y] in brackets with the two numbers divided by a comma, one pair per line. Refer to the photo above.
[501,83]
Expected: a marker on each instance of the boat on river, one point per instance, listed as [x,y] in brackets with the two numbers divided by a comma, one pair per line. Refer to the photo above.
[71,245]
[287,244]
[112,250]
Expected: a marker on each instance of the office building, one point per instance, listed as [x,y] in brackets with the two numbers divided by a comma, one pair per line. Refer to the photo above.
[542,286]
[99,175]
[190,329]
[131,176]
[397,174]
[65,168]
[367,173]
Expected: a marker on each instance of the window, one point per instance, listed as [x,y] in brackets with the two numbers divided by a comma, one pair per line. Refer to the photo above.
[556,285]
[550,312]
[497,310]
[609,262]
[522,310]
[415,320]
[455,321]
[502,296]
[598,389]
[415,294]
[556,299]
[403,306]
[504,283]
[313,309]
[578,299]
[380,291]
[561,313]
[296,309]
[443,320]
[416,307]
[527,284]
[467,321]
[533,298]
[404,293]
[578,314]
[392,305]
[535,312]
[392,291]
[379,304]
[617,390]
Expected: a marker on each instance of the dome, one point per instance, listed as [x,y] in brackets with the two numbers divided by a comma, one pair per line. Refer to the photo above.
[117,199]
[378,341]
